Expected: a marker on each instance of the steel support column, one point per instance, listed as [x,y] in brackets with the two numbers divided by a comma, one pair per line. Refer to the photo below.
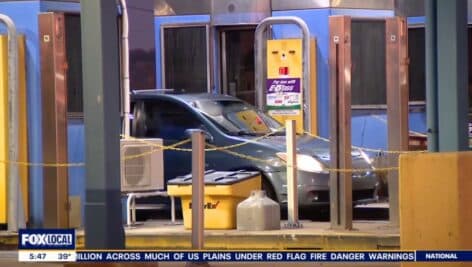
[431,75]
[451,53]
[340,120]
[397,102]
[54,99]
[103,227]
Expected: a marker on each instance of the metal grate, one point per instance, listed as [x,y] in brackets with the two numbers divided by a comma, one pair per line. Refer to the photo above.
[136,169]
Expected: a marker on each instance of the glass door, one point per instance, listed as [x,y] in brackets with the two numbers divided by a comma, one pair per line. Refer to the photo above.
[237,62]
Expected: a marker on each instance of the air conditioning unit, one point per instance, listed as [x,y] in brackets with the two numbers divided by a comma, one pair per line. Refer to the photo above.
[142,165]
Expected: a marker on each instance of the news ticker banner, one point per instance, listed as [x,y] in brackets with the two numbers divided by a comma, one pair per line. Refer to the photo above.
[59,245]
[242,256]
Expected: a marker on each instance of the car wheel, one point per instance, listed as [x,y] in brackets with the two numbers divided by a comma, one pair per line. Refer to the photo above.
[269,189]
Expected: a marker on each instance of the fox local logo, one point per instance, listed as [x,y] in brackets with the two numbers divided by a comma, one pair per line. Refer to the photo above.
[47,239]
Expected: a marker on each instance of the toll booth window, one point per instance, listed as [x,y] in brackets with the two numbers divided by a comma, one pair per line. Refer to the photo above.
[416,68]
[74,64]
[469,33]
[185,58]
[164,119]
[238,63]
[368,63]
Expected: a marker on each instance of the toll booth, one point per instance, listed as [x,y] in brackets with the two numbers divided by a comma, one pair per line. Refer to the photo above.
[222,35]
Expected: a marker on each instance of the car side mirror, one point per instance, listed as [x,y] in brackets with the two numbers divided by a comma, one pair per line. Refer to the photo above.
[208,137]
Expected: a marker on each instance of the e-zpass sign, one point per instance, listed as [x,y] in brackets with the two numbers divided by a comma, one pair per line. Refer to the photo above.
[46,239]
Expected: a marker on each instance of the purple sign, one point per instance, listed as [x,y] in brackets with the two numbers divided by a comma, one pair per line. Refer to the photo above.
[281,85]
[283,96]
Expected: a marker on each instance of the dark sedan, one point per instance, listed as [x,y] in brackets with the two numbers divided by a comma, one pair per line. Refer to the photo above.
[226,121]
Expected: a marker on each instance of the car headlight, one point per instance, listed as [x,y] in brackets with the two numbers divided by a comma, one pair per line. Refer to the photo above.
[275,162]
[305,163]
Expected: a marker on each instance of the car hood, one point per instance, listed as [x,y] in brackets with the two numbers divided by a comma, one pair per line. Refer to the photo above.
[315,147]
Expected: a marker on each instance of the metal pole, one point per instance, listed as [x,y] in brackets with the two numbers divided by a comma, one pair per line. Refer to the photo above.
[125,68]
[13,180]
[54,118]
[259,56]
[101,82]
[397,102]
[198,183]
[431,75]
[292,184]
[452,65]
[340,183]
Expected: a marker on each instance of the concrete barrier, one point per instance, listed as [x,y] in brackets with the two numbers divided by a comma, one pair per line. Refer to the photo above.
[435,203]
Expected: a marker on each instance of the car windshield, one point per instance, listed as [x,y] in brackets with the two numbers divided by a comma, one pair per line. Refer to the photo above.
[238,118]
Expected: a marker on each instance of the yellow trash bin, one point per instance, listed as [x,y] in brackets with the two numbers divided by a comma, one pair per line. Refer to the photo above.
[223,191]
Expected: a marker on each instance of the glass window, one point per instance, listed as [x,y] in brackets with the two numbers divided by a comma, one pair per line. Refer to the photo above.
[74,64]
[185,58]
[417,71]
[416,68]
[163,119]
[368,63]
[238,60]
[469,31]
[237,117]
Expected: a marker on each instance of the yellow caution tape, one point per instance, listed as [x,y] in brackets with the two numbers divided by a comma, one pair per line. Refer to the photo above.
[214,148]
[244,143]
[169,147]
[34,164]
[370,149]
[326,169]
[225,149]
[363,170]
[82,164]
[354,170]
